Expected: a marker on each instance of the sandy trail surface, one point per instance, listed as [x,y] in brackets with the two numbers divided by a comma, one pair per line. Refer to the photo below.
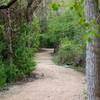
[55,83]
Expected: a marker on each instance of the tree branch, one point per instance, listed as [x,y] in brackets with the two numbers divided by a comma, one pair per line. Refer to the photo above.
[8,5]
[32,6]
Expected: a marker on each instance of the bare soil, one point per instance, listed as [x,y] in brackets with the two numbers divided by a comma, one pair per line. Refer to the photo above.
[54,82]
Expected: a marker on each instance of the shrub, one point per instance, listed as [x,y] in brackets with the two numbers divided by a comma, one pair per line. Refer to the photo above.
[11,73]
[24,45]
[69,52]
[3,76]
[25,48]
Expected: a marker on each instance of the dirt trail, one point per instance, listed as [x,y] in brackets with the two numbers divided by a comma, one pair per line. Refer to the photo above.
[55,83]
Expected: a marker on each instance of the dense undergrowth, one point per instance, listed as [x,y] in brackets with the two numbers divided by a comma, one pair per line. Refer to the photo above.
[25,44]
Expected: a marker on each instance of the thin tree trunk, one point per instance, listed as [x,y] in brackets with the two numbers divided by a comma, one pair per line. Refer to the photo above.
[9,34]
[92,54]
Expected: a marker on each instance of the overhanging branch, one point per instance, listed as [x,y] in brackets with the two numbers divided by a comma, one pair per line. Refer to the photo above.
[32,6]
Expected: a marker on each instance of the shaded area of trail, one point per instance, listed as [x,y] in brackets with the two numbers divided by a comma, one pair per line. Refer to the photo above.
[54,83]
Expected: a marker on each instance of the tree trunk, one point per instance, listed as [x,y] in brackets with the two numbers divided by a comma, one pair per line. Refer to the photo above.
[56,47]
[9,35]
[92,54]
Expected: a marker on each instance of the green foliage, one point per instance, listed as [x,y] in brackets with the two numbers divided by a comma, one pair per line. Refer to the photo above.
[2,66]
[54,6]
[3,76]
[2,42]
[11,73]
[68,52]
[64,25]
[36,34]
[88,26]
[4,2]
[65,31]
[24,45]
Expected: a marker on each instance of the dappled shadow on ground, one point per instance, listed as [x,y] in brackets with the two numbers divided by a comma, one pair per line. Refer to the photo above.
[34,76]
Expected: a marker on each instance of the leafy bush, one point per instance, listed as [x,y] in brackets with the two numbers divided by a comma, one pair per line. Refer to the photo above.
[24,44]
[59,27]
[68,52]
[3,76]
[65,34]
[11,73]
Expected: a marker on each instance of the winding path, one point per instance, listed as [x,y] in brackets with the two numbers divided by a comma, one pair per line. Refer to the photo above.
[55,83]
